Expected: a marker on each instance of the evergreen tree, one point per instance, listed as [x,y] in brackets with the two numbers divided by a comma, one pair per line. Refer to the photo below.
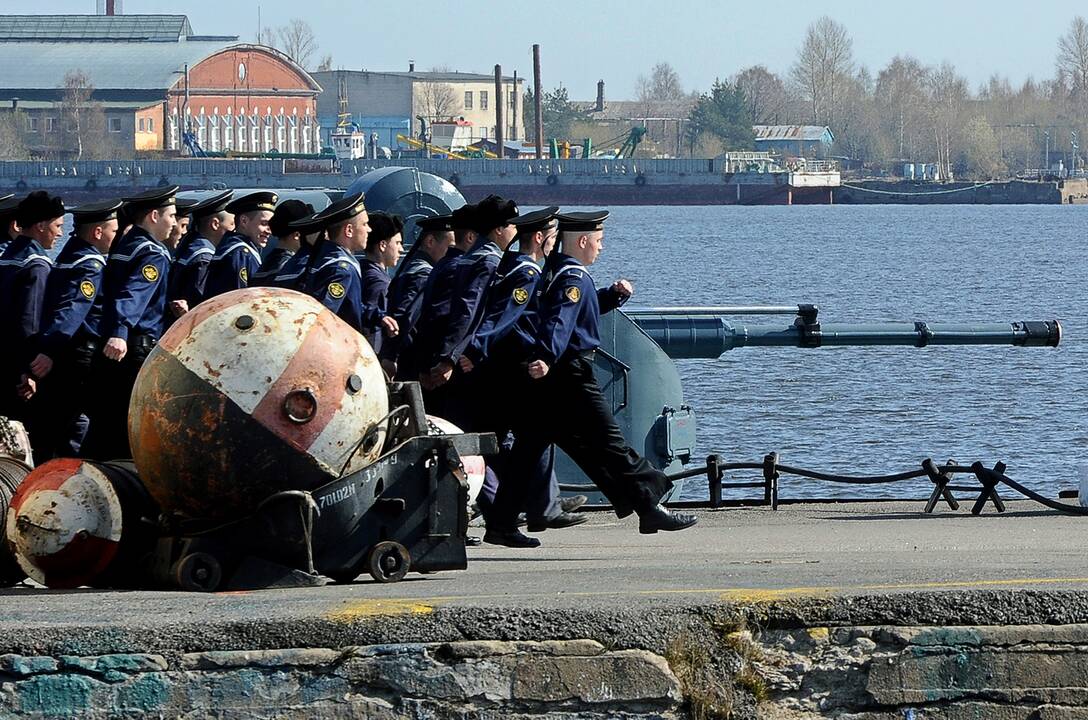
[724,114]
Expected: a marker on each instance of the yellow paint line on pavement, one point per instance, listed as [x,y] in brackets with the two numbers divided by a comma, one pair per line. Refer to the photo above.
[379,608]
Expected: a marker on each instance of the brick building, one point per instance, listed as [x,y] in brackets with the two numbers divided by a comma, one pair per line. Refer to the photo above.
[150,78]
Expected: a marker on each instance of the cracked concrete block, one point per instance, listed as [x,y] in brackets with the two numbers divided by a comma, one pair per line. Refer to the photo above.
[623,676]
[116,666]
[225,659]
[23,665]
[422,675]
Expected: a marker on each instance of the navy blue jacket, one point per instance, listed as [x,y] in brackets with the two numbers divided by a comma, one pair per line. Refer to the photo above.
[437,296]
[293,274]
[189,271]
[132,299]
[566,321]
[336,282]
[271,267]
[375,292]
[513,286]
[474,274]
[405,304]
[236,260]
[74,283]
[24,272]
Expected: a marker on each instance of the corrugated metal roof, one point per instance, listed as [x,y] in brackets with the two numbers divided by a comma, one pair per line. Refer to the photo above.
[130,65]
[421,75]
[94,28]
[790,132]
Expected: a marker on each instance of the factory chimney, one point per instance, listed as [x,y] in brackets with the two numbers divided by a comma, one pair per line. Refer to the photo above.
[600,96]
[411,66]
[111,7]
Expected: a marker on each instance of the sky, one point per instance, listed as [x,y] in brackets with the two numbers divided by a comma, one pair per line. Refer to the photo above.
[583,41]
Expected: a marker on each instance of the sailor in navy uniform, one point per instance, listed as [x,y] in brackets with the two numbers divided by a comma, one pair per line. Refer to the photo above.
[383,248]
[569,409]
[435,303]
[128,318]
[336,278]
[474,272]
[405,296]
[67,344]
[288,241]
[295,271]
[238,256]
[9,228]
[209,222]
[181,225]
[24,270]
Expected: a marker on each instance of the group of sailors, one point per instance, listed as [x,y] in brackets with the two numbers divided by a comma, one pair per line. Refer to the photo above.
[493,312]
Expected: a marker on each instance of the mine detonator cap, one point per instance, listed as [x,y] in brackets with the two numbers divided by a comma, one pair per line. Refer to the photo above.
[96,212]
[211,206]
[138,205]
[383,226]
[340,211]
[438,223]
[492,212]
[288,212]
[582,221]
[536,221]
[38,206]
[263,200]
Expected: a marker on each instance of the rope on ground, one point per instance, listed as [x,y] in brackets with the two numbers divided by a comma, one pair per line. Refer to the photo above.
[911,194]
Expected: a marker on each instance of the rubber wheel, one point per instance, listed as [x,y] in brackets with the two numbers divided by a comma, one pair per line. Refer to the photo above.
[388,562]
[198,572]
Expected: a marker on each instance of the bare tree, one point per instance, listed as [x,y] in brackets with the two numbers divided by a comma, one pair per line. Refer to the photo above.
[12,146]
[663,85]
[299,42]
[325,64]
[266,36]
[84,121]
[437,100]
[948,96]
[824,65]
[1073,57]
[764,94]
[900,90]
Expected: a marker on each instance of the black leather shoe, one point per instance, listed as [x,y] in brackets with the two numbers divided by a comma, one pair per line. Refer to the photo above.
[573,502]
[562,520]
[512,538]
[660,518]
[472,541]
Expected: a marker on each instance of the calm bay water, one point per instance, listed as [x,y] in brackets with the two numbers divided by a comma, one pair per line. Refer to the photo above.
[876,410]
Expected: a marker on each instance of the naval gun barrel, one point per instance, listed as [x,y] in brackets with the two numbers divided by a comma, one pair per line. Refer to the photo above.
[704,332]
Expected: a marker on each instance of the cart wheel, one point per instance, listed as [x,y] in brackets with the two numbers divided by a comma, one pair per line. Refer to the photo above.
[198,572]
[388,562]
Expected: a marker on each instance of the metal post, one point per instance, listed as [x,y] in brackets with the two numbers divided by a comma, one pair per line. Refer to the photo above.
[514,110]
[500,134]
[537,105]
[1046,161]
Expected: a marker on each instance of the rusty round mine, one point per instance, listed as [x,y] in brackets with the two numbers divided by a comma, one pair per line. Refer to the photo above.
[217,425]
[355,383]
[244,322]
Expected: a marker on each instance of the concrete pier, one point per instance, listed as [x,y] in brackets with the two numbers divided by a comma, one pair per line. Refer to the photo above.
[869,610]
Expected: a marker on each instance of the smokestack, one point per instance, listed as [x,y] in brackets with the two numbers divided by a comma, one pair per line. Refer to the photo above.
[500,129]
[537,104]
[411,66]
[600,96]
[110,7]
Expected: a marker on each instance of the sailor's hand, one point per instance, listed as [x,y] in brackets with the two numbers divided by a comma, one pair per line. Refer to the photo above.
[115,349]
[441,373]
[41,365]
[389,326]
[466,364]
[26,387]
[538,369]
[179,307]
[623,288]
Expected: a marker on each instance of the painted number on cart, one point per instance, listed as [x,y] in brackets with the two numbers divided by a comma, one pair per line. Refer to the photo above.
[336,497]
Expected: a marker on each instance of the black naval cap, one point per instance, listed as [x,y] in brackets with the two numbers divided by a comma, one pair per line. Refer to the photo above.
[306,225]
[464,217]
[535,221]
[438,223]
[582,221]
[150,200]
[212,205]
[185,207]
[263,200]
[340,211]
[38,206]
[8,206]
[383,226]
[288,212]
[93,213]
[494,211]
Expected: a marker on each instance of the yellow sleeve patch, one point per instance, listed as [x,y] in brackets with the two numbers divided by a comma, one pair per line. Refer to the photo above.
[87,288]
[336,290]
[243,274]
[150,273]
[573,294]
[521,296]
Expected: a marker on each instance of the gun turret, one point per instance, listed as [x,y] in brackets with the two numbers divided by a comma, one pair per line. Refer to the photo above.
[704,332]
